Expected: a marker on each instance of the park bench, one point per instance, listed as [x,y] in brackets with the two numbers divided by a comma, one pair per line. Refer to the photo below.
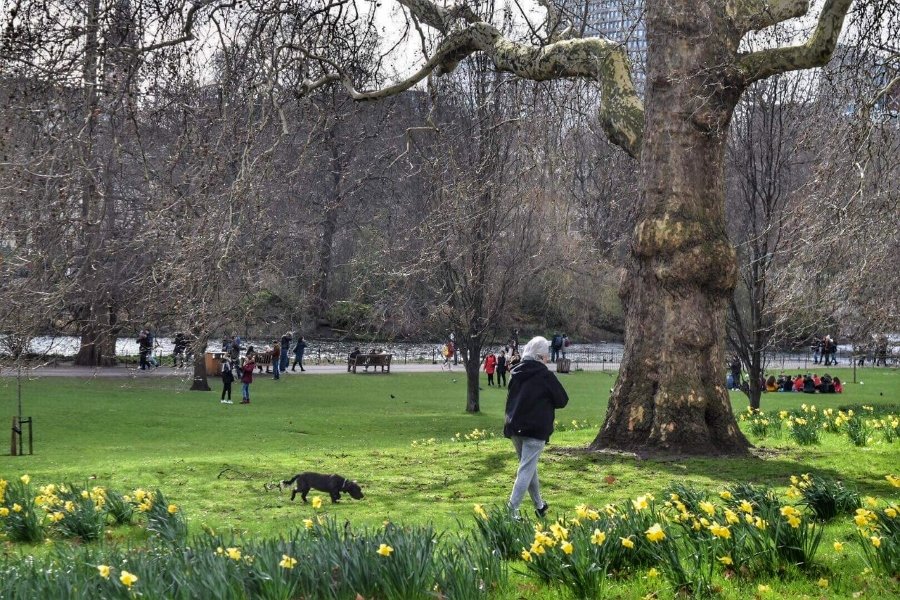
[370,360]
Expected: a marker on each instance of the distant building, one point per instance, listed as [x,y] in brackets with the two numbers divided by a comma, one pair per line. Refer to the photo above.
[621,21]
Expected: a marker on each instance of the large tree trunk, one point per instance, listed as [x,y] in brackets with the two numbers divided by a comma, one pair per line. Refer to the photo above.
[755,369]
[200,382]
[670,397]
[98,339]
[472,362]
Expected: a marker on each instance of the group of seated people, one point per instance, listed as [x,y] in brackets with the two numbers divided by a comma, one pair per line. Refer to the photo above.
[809,384]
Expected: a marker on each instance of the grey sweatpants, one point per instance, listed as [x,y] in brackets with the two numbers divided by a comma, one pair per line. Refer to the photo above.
[529,451]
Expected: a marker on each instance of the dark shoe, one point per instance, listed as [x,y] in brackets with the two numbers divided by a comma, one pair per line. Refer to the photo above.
[245,402]
[542,511]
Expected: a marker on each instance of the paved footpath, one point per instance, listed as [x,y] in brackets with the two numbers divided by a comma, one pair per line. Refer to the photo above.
[328,369]
[336,369]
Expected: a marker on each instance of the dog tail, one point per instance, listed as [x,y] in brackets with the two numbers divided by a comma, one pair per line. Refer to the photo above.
[285,482]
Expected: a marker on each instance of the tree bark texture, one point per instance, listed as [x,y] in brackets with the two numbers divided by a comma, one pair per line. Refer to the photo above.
[472,362]
[670,397]
[200,382]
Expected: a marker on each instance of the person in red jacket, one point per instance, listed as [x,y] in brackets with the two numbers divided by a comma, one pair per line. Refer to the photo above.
[490,365]
[798,383]
[838,386]
[247,378]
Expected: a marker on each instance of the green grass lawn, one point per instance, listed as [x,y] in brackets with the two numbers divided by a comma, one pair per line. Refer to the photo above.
[393,434]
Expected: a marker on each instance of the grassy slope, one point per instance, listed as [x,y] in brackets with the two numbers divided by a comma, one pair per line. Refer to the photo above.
[214,459]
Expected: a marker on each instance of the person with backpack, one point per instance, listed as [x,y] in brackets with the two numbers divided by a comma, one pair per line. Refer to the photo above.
[555,346]
[247,377]
[227,379]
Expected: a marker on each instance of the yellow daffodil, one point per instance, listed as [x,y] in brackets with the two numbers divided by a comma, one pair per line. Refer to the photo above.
[627,542]
[731,517]
[233,553]
[85,495]
[173,508]
[127,579]
[385,550]
[559,532]
[655,533]
[56,517]
[26,479]
[479,510]
[17,507]
[103,570]
[872,502]
[793,493]
[537,548]
[308,523]
[760,523]
[567,547]
[822,583]
[674,497]
[763,589]
[598,537]
[746,507]
[287,562]
[720,531]
[891,512]
[893,480]
[789,511]
[726,560]
[725,495]
[4,512]
[317,502]
[708,507]
[838,547]
[581,511]
[876,541]
[526,555]
[220,551]
[794,521]
[640,503]
[652,573]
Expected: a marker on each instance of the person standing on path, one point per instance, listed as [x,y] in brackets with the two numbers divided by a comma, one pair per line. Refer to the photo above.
[490,365]
[247,378]
[299,350]
[501,369]
[227,379]
[286,340]
[276,359]
[534,395]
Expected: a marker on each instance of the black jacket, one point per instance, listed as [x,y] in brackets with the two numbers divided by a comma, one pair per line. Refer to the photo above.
[534,395]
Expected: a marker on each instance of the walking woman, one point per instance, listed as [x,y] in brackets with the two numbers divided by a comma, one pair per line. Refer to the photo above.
[534,396]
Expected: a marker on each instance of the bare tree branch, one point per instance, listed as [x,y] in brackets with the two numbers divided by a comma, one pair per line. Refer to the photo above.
[753,15]
[816,52]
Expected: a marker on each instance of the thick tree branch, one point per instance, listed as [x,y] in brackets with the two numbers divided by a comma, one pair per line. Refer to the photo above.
[439,18]
[814,53]
[753,15]
[621,111]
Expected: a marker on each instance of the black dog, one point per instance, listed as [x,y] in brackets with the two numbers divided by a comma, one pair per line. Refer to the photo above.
[333,484]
